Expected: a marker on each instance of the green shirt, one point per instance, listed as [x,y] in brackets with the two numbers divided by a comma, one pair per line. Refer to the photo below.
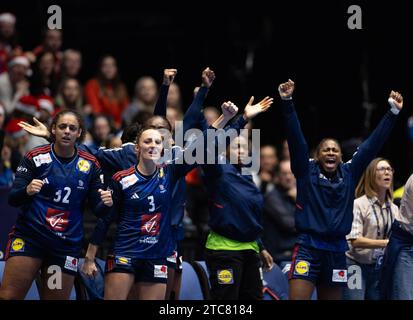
[218,242]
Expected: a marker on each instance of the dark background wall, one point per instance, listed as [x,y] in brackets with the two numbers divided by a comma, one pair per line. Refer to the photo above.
[308,42]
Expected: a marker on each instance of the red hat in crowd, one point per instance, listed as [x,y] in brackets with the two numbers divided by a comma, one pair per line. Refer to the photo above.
[13,129]
[45,103]
[20,60]
[31,105]
[27,104]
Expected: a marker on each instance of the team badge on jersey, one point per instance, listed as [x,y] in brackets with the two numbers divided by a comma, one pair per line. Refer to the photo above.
[17,245]
[225,276]
[83,165]
[57,220]
[160,271]
[150,224]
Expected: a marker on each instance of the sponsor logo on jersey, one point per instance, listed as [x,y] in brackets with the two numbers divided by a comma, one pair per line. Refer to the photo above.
[339,275]
[83,165]
[225,276]
[161,173]
[123,261]
[17,245]
[150,224]
[46,181]
[21,169]
[57,220]
[160,271]
[71,263]
[43,158]
[148,240]
[128,181]
[302,268]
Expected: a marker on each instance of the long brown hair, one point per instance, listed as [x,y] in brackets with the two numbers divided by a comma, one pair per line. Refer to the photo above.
[119,88]
[367,184]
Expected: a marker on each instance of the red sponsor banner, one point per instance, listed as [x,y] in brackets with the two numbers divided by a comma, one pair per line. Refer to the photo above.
[150,224]
[57,220]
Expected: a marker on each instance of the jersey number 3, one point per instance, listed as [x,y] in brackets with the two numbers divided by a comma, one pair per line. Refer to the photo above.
[58,195]
[151,203]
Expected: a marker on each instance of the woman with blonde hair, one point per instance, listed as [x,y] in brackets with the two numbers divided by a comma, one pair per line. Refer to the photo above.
[374,212]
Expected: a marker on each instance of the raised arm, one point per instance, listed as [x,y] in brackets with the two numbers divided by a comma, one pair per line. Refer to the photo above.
[193,116]
[168,78]
[372,145]
[296,142]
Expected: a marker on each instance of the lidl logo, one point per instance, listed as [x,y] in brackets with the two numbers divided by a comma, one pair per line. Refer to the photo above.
[302,268]
[225,276]
[17,245]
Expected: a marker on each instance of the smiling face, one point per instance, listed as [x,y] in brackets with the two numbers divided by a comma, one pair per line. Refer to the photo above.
[149,146]
[384,175]
[329,155]
[66,130]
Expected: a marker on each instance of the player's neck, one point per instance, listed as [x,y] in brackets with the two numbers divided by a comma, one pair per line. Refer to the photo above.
[64,152]
[146,167]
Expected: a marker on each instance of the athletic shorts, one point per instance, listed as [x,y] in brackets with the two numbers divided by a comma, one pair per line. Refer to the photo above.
[151,270]
[319,266]
[24,246]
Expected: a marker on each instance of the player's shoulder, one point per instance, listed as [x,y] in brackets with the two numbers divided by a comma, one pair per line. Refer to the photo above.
[88,156]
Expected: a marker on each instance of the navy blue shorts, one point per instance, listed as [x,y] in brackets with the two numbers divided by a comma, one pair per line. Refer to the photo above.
[319,266]
[151,270]
[24,246]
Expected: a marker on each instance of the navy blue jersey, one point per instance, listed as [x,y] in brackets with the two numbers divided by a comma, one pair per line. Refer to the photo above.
[54,215]
[143,204]
[235,205]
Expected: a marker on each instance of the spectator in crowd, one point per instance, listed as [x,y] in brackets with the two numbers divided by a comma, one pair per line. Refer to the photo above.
[16,138]
[280,235]
[6,173]
[106,93]
[71,64]
[268,162]
[8,38]
[374,213]
[13,83]
[397,272]
[101,132]
[52,42]
[69,96]
[173,115]
[146,93]
[44,80]
[211,114]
